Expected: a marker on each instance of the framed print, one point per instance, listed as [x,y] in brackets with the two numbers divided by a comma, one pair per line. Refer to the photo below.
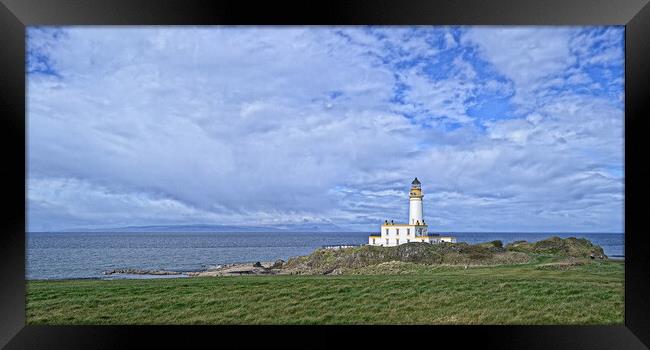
[471,172]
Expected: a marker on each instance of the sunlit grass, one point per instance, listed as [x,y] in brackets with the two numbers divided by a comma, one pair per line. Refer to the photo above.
[412,294]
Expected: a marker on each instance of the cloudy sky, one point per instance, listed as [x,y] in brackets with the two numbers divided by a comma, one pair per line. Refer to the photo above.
[508,128]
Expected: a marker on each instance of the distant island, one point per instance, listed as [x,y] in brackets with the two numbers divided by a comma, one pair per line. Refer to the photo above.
[290,227]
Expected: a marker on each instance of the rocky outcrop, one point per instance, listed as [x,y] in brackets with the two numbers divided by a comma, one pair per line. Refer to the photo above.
[556,246]
[337,261]
[257,268]
[328,261]
[278,264]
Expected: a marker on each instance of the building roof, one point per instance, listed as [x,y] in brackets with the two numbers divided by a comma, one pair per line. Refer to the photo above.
[403,225]
[415,182]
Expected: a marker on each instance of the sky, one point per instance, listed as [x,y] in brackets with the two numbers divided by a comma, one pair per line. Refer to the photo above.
[507,128]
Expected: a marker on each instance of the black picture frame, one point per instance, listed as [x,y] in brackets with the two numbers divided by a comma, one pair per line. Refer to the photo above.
[15,15]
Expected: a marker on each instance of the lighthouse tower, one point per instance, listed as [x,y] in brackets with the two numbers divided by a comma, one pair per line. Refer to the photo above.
[415,203]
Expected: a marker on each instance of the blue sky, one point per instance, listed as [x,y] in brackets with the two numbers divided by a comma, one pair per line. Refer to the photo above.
[508,128]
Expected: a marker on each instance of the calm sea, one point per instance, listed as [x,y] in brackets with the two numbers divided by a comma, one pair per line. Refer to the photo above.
[86,255]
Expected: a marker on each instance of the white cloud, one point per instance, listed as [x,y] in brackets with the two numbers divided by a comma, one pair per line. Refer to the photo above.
[268,125]
[529,56]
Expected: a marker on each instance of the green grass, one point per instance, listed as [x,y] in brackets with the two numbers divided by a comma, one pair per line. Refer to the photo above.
[412,294]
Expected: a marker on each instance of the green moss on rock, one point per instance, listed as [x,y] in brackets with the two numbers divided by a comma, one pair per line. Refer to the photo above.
[328,260]
[336,261]
[573,247]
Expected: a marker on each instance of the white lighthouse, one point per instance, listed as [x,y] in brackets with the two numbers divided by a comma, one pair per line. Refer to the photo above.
[416,230]
[415,203]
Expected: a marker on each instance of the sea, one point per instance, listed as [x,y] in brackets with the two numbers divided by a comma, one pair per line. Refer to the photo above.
[87,255]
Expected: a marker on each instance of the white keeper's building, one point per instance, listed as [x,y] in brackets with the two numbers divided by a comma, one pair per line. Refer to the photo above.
[415,230]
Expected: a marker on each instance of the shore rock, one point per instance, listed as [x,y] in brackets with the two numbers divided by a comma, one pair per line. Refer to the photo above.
[278,264]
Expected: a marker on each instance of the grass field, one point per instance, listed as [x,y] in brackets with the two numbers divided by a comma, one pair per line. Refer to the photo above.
[411,294]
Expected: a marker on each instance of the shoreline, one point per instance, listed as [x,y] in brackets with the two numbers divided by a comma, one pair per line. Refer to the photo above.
[234,269]
[279,267]
[40,265]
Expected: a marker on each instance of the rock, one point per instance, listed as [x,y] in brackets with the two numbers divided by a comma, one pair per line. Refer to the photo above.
[257,264]
[575,247]
[334,272]
[278,264]
[329,261]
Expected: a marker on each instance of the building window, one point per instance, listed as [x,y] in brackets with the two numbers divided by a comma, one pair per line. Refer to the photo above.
[387,232]
[408,240]
[397,231]
[386,241]
[398,241]
[408,231]
[373,241]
